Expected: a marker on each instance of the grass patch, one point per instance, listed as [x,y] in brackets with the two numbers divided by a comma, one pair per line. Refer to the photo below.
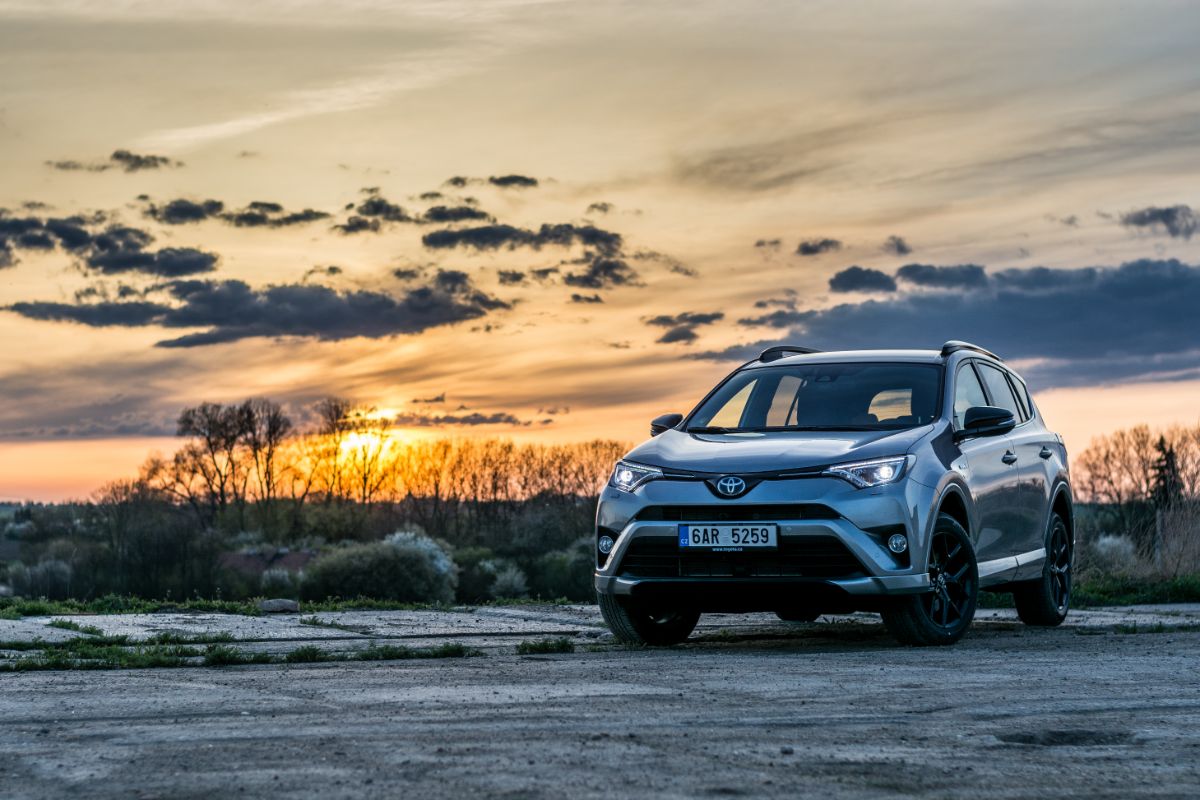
[560,645]
[222,655]
[17,607]
[1125,591]
[317,622]
[86,654]
[170,637]
[397,652]
[71,625]
[308,654]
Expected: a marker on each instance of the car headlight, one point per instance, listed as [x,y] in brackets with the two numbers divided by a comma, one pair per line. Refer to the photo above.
[876,472]
[627,476]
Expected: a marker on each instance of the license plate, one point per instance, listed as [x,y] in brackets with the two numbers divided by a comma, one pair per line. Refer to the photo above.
[729,538]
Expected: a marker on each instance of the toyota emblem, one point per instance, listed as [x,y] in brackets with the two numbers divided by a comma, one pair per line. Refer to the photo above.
[731,486]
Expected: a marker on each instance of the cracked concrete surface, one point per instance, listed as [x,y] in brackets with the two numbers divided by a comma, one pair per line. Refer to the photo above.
[750,707]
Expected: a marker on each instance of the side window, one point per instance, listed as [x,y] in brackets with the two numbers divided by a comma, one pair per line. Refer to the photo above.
[783,403]
[967,393]
[1022,393]
[730,415]
[1001,393]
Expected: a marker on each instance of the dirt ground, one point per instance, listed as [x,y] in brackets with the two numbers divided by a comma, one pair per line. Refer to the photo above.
[749,707]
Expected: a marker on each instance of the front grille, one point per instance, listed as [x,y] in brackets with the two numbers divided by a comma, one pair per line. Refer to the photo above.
[797,557]
[738,512]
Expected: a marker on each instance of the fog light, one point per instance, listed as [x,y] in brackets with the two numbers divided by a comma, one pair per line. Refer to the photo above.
[897,543]
[606,544]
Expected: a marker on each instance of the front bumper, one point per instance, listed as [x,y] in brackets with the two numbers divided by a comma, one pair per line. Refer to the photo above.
[857,520]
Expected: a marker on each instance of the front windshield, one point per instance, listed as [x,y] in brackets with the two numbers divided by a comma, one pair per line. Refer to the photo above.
[851,396]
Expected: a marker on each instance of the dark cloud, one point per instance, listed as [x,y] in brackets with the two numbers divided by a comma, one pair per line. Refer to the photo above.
[441,398]
[602,273]
[513,181]
[493,237]
[858,279]
[121,249]
[181,211]
[455,420]
[769,244]
[406,273]
[232,310]
[685,318]
[428,196]
[959,276]
[257,214]
[454,214]
[330,271]
[682,334]
[815,247]
[897,246]
[134,162]
[120,159]
[1077,327]
[112,250]
[682,327]
[586,298]
[600,207]
[1178,222]
[543,274]
[357,224]
[458,181]
[511,277]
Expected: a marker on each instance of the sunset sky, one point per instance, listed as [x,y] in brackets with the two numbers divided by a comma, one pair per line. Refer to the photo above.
[556,220]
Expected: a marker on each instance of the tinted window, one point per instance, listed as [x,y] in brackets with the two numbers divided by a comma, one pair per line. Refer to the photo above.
[999,390]
[1022,395]
[967,393]
[835,396]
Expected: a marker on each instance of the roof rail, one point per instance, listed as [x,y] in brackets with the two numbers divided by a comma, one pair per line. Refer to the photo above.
[954,345]
[780,351]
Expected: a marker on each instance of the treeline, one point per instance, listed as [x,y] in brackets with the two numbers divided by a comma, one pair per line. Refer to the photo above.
[1142,488]
[248,479]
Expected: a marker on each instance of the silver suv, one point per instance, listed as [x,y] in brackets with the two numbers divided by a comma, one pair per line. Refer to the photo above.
[896,481]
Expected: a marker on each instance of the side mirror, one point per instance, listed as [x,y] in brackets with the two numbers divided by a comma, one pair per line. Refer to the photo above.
[987,421]
[665,422]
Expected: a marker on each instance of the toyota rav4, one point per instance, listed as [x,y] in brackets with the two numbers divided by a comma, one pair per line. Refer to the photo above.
[901,482]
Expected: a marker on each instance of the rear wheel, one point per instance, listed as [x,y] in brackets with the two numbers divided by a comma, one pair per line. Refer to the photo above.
[634,622]
[798,615]
[940,616]
[1046,601]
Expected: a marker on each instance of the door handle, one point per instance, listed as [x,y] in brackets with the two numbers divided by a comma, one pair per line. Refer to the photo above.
[1045,452]
[1009,457]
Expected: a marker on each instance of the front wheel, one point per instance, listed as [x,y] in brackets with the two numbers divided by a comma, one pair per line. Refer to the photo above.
[633,622]
[1045,601]
[942,615]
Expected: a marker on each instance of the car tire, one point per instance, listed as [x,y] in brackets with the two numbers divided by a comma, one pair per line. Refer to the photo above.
[940,616]
[636,623]
[798,615]
[1045,602]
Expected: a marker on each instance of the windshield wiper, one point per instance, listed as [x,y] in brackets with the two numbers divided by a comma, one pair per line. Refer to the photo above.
[833,428]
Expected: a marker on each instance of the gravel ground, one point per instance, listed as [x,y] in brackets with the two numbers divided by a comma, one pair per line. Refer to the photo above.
[750,707]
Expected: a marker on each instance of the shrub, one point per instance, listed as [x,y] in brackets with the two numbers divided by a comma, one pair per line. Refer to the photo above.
[277,582]
[476,574]
[566,573]
[510,583]
[411,568]
[50,579]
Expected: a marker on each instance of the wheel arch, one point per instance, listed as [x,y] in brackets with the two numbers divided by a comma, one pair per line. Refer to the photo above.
[954,504]
[1063,505]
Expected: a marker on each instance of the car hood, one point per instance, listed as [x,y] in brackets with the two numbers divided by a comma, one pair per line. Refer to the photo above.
[747,453]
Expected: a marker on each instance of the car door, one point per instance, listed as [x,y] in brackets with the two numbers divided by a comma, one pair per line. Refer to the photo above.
[1035,448]
[992,477]
[1023,521]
